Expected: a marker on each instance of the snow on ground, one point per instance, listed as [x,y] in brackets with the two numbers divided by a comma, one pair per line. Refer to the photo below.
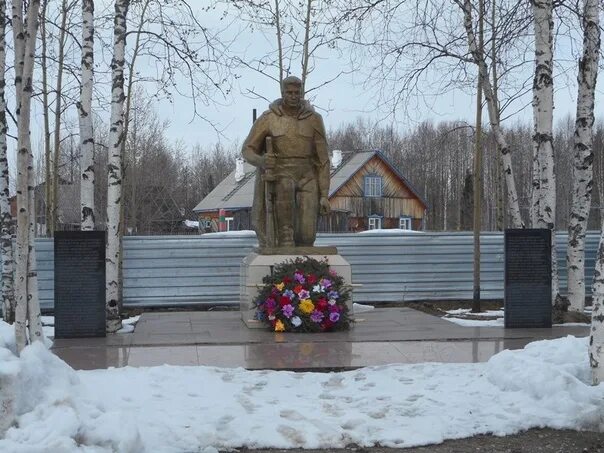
[361,308]
[468,311]
[476,322]
[395,231]
[173,409]
[48,325]
[240,233]
[458,316]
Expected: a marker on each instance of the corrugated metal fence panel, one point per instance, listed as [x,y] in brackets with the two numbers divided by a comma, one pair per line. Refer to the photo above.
[180,270]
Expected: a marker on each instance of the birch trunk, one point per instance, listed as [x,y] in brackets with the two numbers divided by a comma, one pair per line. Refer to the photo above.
[543,209]
[34,318]
[58,112]
[114,183]
[596,337]
[24,41]
[6,218]
[85,116]
[512,194]
[22,200]
[583,158]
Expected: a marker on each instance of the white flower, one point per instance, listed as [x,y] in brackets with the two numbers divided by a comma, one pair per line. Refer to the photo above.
[296,321]
[332,301]
[271,317]
[318,289]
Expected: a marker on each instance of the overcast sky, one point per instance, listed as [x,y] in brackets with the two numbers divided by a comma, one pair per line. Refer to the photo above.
[340,102]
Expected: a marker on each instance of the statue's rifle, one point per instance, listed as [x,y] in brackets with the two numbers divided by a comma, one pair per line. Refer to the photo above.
[269,194]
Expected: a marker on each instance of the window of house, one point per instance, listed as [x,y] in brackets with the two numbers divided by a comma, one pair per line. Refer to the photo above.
[375,223]
[373,186]
[404,223]
[229,223]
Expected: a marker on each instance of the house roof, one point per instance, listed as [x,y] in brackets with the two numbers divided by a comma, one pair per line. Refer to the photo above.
[233,195]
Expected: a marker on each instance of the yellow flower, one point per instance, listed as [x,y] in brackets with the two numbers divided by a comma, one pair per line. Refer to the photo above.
[280,286]
[279,326]
[306,306]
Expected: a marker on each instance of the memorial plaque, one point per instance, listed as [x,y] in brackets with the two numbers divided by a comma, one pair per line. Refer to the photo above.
[79,284]
[528,278]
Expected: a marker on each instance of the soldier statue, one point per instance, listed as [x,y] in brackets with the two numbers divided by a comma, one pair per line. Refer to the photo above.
[287,145]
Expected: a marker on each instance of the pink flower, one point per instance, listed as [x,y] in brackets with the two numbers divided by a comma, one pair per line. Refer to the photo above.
[303,294]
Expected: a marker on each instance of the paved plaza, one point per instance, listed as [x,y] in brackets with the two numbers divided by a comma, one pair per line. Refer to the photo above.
[219,338]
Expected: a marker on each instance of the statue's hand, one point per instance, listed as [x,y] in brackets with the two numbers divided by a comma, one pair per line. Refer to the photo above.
[269,161]
[324,206]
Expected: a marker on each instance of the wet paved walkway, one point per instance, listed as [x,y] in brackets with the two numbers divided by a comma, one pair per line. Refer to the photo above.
[381,336]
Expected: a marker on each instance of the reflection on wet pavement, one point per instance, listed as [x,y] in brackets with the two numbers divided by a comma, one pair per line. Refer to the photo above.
[382,336]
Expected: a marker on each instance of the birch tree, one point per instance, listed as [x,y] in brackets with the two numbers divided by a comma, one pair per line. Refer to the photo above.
[6,218]
[596,336]
[85,117]
[583,157]
[543,212]
[27,310]
[492,108]
[114,168]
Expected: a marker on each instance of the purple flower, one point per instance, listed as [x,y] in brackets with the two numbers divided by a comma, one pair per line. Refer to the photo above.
[299,277]
[334,316]
[270,304]
[316,316]
[325,283]
[333,294]
[303,294]
[288,310]
[289,293]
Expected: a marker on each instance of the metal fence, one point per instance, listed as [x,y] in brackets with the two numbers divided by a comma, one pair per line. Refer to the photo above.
[182,270]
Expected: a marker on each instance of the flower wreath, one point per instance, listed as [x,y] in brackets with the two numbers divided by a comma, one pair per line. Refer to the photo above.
[303,295]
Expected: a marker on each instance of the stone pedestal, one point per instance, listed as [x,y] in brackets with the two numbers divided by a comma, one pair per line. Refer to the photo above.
[255,267]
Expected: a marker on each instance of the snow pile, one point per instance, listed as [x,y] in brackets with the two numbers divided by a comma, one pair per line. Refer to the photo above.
[493,318]
[476,322]
[48,324]
[175,409]
[236,233]
[393,231]
[361,308]
[44,395]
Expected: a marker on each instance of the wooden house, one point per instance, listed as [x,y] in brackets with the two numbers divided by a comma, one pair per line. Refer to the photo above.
[366,192]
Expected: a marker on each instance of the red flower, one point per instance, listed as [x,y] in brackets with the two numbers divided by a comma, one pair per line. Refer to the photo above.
[322,304]
[298,288]
[287,280]
[311,279]
[326,324]
[334,308]
[284,300]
